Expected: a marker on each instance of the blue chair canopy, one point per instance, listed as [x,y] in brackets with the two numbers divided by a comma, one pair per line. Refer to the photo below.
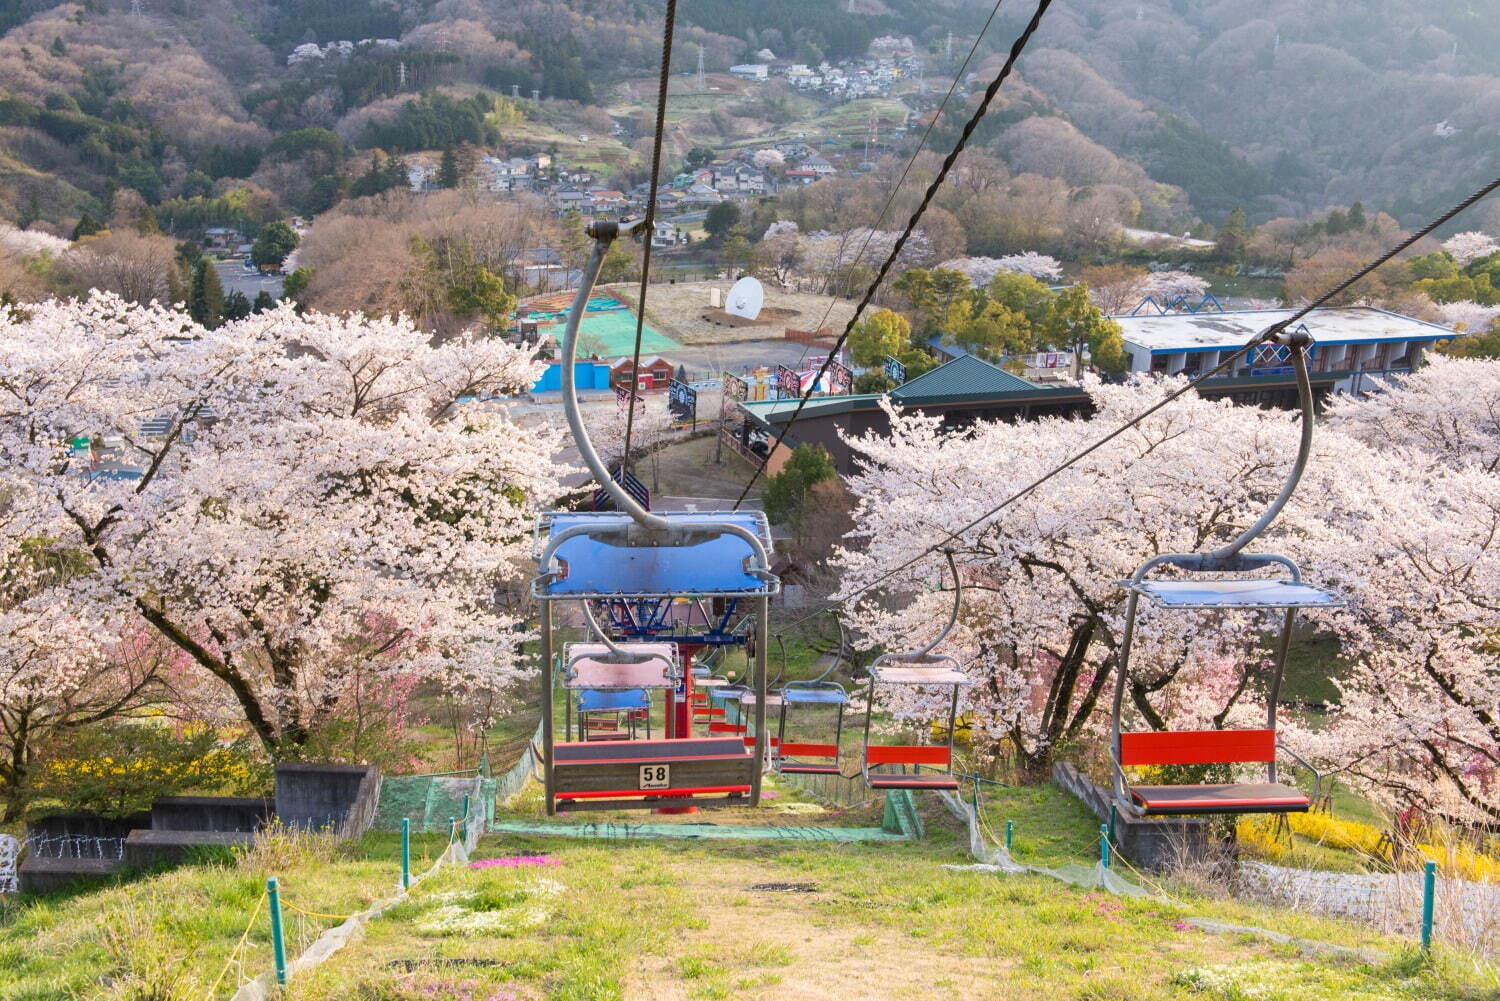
[611,558]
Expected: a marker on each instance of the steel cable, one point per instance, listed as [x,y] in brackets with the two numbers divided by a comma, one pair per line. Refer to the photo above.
[955,535]
[648,227]
[911,225]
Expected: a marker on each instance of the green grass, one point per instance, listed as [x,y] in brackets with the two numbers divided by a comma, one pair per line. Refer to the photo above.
[618,920]
[1313,666]
[665,919]
[166,937]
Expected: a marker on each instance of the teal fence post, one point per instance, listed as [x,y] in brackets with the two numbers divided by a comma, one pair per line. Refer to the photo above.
[405,853]
[1429,885]
[278,943]
[1113,818]
[1010,830]
[1104,845]
[466,819]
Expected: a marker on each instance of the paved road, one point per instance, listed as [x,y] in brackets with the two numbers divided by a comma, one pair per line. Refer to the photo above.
[709,360]
[234,278]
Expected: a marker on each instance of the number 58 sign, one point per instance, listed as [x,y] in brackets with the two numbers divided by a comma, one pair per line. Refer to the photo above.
[656,776]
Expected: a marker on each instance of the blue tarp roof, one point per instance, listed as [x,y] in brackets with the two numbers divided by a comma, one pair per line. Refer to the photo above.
[612,564]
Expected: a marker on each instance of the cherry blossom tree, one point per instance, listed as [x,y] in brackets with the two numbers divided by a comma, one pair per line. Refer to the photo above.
[61,669]
[829,256]
[1419,722]
[653,424]
[769,159]
[1470,317]
[1470,246]
[1168,285]
[1042,614]
[982,270]
[300,475]
[1399,511]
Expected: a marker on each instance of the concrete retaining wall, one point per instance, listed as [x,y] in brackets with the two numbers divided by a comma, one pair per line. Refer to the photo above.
[146,849]
[341,798]
[211,813]
[1156,844]
[84,825]
[45,875]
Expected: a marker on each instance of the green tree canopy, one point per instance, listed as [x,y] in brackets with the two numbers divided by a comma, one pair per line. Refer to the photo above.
[272,245]
[883,332]
[721,219]
[1437,265]
[787,490]
[206,295]
[236,306]
[448,169]
[932,294]
[1073,321]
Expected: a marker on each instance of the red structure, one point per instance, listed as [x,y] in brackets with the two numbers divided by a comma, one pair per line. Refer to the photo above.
[656,372]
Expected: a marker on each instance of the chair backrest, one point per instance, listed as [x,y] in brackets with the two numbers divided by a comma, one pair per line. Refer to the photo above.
[792,750]
[1197,747]
[906,754]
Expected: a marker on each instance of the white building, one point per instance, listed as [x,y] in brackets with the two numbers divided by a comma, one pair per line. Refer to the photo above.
[1357,345]
[750,71]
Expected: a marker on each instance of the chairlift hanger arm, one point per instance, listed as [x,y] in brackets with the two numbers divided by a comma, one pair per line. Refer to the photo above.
[617,654]
[958,597]
[603,234]
[1296,341]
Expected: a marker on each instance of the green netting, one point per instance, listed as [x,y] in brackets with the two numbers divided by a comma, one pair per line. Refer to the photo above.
[623,832]
[430,801]
[994,858]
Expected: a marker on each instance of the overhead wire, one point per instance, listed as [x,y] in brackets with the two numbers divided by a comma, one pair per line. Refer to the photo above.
[890,200]
[1265,336]
[648,225]
[911,224]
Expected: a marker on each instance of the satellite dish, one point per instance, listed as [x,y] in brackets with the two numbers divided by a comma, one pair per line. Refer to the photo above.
[745,299]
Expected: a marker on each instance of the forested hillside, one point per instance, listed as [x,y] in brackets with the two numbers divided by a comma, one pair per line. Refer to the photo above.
[1284,108]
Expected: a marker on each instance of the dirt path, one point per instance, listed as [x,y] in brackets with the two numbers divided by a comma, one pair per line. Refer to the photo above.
[749,939]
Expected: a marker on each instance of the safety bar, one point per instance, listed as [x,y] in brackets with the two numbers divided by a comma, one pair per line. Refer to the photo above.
[1215,563]
[759,569]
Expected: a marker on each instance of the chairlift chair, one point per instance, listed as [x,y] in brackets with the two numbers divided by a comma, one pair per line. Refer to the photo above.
[631,554]
[801,757]
[1237,583]
[616,689]
[925,670]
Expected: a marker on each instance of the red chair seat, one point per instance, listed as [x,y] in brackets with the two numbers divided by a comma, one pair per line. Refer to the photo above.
[1240,797]
[930,780]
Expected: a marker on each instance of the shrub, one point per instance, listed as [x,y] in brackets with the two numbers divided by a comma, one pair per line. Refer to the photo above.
[121,768]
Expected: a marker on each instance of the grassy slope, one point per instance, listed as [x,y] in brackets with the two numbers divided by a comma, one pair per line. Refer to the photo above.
[667,920]
[682,920]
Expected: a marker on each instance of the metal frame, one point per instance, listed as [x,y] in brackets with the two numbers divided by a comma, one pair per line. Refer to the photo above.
[920,658]
[818,684]
[1229,558]
[638,528]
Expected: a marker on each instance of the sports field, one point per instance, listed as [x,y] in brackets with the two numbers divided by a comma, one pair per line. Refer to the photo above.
[613,333]
[607,328]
